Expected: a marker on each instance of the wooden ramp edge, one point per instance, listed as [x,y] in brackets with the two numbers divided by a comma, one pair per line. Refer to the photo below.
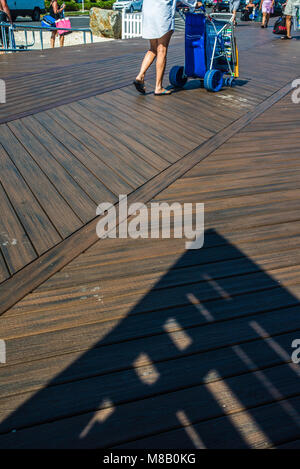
[41,269]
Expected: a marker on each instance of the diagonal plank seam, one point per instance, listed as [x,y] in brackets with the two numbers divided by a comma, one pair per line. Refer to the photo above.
[38,271]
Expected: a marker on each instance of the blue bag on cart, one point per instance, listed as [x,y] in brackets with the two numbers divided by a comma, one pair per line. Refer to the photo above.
[48,22]
[195,45]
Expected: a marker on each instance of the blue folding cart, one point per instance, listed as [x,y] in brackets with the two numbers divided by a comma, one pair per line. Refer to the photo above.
[210,51]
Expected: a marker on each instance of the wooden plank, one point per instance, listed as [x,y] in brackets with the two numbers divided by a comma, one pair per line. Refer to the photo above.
[136,155]
[53,261]
[37,225]
[112,69]
[76,198]
[163,147]
[58,211]
[222,398]
[117,73]
[33,376]
[4,273]
[81,180]
[16,247]
[86,133]
[147,263]
[41,311]
[273,427]
[118,341]
[290,445]
[55,123]
[138,107]
[134,123]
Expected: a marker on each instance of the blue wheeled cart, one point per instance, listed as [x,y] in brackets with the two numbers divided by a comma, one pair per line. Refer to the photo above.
[210,51]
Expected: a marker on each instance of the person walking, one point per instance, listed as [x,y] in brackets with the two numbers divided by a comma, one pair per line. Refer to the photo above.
[234,5]
[5,17]
[289,11]
[266,7]
[56,13]
[158,27]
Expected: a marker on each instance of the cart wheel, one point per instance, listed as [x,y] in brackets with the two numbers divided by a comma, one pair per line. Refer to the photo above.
[230,82]
[177,77]
[213,80]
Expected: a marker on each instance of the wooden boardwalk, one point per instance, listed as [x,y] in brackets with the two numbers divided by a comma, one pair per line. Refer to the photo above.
[141,344]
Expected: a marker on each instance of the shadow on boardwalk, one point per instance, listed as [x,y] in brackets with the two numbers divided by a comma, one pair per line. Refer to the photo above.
[190,358]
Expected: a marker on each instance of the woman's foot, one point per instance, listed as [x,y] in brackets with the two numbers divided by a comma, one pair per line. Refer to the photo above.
[286,37]
[139,85]
[162,92]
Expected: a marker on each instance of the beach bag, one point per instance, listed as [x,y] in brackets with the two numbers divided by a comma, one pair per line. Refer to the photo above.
[280,26]
[48,22]
[63,23]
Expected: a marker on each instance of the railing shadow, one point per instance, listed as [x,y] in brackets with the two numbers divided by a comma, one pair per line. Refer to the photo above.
[183,364]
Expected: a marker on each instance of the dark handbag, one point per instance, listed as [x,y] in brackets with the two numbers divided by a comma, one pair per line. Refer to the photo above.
[280,26]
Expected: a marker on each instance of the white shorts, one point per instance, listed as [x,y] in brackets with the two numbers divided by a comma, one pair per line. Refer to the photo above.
[290,9]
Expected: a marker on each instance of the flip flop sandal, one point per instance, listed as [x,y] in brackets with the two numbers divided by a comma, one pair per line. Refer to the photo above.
[164,93]
[284,38]
[140,87]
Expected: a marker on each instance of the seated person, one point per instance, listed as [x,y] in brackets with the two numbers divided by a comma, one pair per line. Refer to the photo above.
[248,10]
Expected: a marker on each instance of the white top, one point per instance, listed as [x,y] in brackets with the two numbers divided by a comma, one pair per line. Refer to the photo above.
[159,17]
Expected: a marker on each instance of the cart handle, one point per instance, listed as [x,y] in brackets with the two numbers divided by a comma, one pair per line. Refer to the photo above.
[227,15]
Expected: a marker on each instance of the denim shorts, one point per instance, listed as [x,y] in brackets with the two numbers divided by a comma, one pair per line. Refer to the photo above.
[234,5]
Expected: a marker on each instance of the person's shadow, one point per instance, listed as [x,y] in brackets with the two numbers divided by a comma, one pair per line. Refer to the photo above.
[180,370]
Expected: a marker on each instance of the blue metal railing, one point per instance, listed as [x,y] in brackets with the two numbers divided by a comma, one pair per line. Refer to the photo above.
[8,40]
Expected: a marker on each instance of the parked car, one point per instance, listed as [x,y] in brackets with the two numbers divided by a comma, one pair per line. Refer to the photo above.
[129,5]
[32,8]
[222,5]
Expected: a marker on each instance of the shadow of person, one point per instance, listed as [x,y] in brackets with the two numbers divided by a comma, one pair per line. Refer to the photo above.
[181,370]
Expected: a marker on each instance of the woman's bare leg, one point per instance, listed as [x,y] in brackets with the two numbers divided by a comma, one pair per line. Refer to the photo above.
[62,41]
[162,49]
[288,25]
[264,19]
[52,40]
[148,60]
[267,19]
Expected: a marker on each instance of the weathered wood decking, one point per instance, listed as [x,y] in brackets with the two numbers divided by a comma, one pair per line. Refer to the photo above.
[141,343]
